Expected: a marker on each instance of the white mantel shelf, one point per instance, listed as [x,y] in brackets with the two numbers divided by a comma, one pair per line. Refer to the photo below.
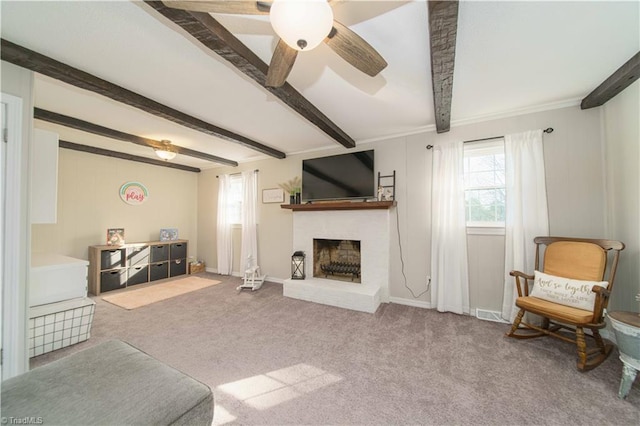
[340,205]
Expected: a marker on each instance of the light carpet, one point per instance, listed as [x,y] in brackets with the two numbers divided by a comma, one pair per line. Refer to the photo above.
[132,299]
[273,360]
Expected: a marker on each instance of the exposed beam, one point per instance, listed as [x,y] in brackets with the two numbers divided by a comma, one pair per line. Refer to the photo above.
[443,26]
[123,156]
[39,63]
[85,126]
[204,28]
[616,83]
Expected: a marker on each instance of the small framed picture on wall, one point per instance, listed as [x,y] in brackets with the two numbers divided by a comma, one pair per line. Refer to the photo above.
[272,195]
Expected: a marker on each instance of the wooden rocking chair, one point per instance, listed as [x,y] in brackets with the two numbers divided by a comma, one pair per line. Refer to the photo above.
[569,259]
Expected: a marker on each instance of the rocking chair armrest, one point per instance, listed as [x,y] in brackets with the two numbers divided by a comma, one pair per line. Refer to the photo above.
[521,275]
[602,297]
[600,291]
[527,278]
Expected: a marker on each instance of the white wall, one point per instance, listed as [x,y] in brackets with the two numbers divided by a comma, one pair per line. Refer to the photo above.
[89,203]
[573,154]
[622,135]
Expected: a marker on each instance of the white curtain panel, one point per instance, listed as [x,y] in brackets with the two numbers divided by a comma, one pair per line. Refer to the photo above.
[526,209]
[249,215]
[223,228]
[449,271]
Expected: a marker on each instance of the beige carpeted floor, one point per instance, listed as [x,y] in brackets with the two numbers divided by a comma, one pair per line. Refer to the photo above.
[132,298]
[276,361]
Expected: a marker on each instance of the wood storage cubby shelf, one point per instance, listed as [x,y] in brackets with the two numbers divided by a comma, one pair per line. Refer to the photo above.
[116,267]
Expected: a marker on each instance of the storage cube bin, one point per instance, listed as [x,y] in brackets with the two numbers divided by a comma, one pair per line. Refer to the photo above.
[158,271]
[113,280]
[138,255]
[138,275]
[159,253]
[178,267]
[178,251]
[58,325]
[110,259]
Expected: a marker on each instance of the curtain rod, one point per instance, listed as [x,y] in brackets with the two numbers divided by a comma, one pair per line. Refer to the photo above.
[239,173]
[547,130]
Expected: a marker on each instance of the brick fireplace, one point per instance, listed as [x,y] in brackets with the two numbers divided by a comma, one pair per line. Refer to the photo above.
[365,231]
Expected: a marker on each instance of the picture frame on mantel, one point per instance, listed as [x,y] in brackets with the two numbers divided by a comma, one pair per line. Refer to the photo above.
[272,195]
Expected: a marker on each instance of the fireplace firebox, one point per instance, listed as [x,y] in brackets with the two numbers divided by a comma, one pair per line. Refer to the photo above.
[337,260]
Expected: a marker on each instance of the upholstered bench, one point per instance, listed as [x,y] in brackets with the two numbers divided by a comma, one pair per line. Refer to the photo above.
[112,383]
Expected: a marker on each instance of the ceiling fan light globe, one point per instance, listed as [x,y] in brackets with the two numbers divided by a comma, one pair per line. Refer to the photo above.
[165,152]
[165,155]
[302,24]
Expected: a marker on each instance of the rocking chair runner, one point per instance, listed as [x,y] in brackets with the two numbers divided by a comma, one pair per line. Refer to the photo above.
[576,259]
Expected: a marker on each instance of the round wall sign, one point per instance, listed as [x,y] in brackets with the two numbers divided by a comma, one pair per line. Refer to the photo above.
[133,193]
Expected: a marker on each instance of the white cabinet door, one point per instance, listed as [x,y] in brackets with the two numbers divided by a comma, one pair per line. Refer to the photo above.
[44,177]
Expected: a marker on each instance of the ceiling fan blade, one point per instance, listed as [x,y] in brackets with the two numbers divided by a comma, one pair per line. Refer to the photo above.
[355,50]
[231,6]
[281,64]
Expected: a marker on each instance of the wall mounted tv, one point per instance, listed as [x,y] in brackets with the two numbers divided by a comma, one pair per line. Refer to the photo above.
[339,177]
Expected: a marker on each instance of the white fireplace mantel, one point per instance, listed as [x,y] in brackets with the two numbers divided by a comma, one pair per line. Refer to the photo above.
[371,228]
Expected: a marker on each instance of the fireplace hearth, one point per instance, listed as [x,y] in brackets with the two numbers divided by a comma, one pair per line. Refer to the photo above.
[337,260]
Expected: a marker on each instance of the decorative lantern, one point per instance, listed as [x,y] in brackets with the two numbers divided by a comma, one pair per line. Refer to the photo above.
[297,266]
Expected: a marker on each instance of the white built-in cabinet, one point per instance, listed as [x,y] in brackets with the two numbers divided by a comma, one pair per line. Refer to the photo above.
[44,177]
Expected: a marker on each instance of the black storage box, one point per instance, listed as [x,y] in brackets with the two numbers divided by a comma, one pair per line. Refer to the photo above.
[138,275]
[113,280]
[178,251]
[110,259]
[178,267]
[158,271]
[159,253]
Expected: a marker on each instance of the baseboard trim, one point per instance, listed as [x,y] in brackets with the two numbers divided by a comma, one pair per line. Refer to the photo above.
[409,302]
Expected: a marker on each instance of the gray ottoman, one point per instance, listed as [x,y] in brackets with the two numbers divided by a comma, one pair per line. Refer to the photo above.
[109,384]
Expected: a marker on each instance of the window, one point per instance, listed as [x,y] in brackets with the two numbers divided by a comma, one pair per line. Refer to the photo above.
[484,179]
[234,200]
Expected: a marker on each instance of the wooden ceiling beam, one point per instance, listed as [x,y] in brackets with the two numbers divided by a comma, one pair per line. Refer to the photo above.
[114,154]
[85,126]
[213,35]
[41,64]
[616,83]
[443,27]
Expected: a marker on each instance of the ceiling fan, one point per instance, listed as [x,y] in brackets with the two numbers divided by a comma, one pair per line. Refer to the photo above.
[300,25]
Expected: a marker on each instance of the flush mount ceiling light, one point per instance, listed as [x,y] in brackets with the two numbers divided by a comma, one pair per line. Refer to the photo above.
[301,24]
[166,151]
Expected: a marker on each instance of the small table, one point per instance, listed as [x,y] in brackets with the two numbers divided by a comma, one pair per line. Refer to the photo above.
[626,326]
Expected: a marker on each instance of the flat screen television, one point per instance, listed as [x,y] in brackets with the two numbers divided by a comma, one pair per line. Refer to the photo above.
[339,177]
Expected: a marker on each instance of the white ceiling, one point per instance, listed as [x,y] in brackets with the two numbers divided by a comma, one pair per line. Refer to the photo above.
[511,57]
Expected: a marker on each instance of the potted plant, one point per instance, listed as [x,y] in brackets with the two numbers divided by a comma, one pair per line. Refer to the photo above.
[292,186]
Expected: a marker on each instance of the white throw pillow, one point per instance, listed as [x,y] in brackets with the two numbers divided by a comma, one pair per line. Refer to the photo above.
[565,291]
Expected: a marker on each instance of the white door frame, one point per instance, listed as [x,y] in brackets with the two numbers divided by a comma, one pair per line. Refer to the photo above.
[13,253]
